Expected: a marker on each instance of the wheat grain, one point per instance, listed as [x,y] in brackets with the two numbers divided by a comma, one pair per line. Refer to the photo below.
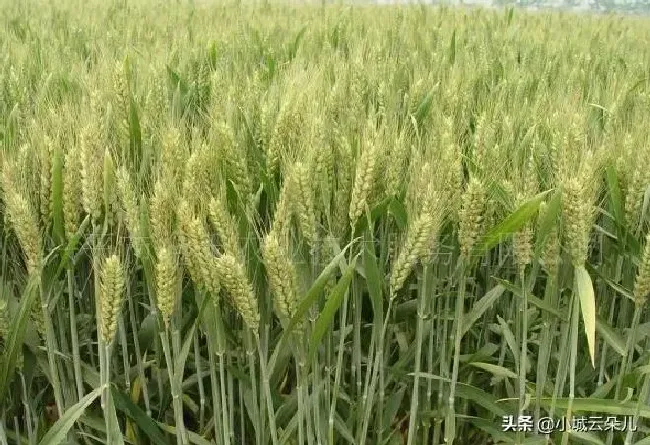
[131,209]
[363,183]
[232,275]
[642,282]
[282,275]
[196,249]
[111,296]
[91,156]
[161,213]
[166,283]
[471,215]
[72,191]
[225,226]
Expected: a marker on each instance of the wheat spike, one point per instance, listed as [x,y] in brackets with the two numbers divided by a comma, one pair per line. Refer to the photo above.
[45,197]
[225,226]
[473,204]
[642,282]
[72,192]
[344,180]
[161,213]
[173,155]
[197,184]
[91,172]
[236,168]
[111,296]
[232,276]
[25,223]
[196,249]
[282,215]
[131,209]
[303,203]
[166,283]
[576,215]
[550,255]
[363,184]
[282,275]
[109,187]
[420,240]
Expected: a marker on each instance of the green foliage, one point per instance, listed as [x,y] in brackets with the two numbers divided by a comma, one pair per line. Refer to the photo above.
[530,127]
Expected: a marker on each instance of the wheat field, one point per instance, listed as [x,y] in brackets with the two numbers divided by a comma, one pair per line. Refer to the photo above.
[269,224]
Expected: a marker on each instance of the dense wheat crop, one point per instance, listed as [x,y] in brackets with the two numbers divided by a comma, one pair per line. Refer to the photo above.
[258,224]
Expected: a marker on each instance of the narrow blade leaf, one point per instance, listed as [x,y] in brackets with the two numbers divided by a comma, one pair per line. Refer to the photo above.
[135,413]
[611,337]
[16,335]
[585,290]
[57,194]
[548,221]
[331,307]
[515,221]
[373,280]
[306,303]
[480,307]
[498,371]
[59,430]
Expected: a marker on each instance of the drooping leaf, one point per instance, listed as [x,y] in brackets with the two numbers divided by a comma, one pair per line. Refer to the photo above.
[482,398]
[532,299]
[593,405]
[452,48]
[495,432]
[341,428]
[616,287]
[135,135]
[515,221]
[397,209]
[424,107]
[510,339]
[137,415]
[548,221]
[194,438]
[306,302]
[380,209]
[295,43]
[615,195]
[498,371]
[56,434]
[316,288]
[16,335]
[611,337]
[585,289]
[331,307]
[57,194]
[603,390]
[179,361]
[373,280]
[480,307]
[72,245]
